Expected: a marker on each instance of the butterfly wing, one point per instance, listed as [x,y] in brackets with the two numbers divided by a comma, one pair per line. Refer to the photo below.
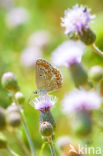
[47,77]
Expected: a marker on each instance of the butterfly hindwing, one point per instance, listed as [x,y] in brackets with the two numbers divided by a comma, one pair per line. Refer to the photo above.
[47,77]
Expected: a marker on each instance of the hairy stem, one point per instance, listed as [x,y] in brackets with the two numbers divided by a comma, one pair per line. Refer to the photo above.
[50,141]
[42,148]
[25,128]
[96,50]
[27,133]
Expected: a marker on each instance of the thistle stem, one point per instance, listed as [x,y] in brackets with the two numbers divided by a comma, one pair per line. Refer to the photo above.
[26,128]
[20,144]
[11,151]
[27,133]
[51,146]
[42,148]
[96,50]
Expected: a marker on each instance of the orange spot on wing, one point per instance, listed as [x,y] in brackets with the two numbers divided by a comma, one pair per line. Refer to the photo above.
[55,72]
[46,66]
[49,71]
[58,83]
[43,64]
[58,78]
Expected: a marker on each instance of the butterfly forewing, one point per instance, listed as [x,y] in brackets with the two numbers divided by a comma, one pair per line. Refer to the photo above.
[47,77]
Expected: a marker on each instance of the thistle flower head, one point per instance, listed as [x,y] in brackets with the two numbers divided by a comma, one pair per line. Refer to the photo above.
[40,39]
[79,100]
[14,119]
[9,81]
[68,53]
[29,55]
[76,19]
[16,17]
[44,102]
[46,129]
[19,97]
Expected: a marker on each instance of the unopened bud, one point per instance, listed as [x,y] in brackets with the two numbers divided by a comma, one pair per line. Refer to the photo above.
[96,73]
[2,119]
[46,129]
[82,124]
[3,141]
[19,98]
[78,74]
[9,81]
[87,36]
[47,116]
[14,119]
[12,108]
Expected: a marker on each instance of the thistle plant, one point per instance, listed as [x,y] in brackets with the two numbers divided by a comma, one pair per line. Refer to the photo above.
[15,113]
[76,22]
[81,103]
[82,106]
[70,55]
[47,123]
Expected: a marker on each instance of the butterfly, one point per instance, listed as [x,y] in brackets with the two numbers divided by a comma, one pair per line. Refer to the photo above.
[48,78]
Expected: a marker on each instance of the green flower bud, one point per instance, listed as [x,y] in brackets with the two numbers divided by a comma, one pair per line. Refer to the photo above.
[96,73]
[10,96]
[47,116]
[87,36]
[9,81]
[14,119]
[78,74]
[12,108]
[2,119]
[82,124]
[3,141]
[19,98]
[46,129]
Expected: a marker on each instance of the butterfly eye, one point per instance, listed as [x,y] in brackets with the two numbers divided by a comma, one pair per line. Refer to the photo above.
[36,92]
[85,9]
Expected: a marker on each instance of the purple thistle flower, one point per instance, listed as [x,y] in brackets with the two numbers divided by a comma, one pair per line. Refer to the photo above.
[81,100]
[40,39]
[30,55]
[16,17]
[68,53]
[76,19]
[44,102]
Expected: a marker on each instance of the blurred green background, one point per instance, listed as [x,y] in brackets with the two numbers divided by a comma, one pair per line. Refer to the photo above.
[43,15]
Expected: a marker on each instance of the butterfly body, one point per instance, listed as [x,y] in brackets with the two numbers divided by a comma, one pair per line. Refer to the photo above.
[48,78]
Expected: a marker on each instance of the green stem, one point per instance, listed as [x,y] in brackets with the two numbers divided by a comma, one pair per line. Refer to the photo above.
[27,133]
[96,50]
[51,146]
[42,148]
[26,128]
[11,152]
[20,144]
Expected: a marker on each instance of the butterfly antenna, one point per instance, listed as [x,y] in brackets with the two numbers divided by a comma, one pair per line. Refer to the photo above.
[28,101]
